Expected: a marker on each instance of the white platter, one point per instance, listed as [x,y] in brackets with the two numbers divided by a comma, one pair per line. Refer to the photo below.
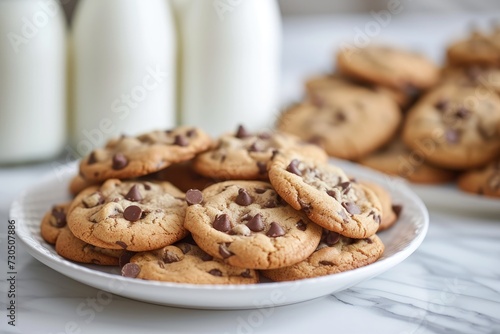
[400,241]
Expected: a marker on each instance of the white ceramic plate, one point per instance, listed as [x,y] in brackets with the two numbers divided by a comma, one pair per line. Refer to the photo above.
[400,241]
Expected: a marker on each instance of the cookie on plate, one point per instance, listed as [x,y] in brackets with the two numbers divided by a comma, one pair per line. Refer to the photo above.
[390,211]
[477,49]
[244,156]
[334,254]
[388,66]
[401,97]
[347,121]
[186,263]
[326,195]
[398,160]
[484,181]
[74,249]
[455,127]
[132,215]
[130,157]
[53,222]
[248,225]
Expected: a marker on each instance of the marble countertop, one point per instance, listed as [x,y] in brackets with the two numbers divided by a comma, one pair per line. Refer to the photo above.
[451,284]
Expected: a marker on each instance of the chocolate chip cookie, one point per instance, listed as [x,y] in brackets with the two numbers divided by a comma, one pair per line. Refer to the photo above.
[132,215]
[388,66]
[326,195]
[332,81]
[248,225]
[130,157]
[480,48]
[244,156]
[53,222]
[334,254]
[483,181]
[74,249]
[186,263]
[390,211]
[331,117]
[455,127]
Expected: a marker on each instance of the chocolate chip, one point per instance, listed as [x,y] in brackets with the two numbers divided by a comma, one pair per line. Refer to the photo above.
[243,198]
[125,257]
[119,161]
[262,166]
[397,208]
[147,186]
[191,133]
[121,244]
[59,218]
[340,117]
[92,158]
[194,196]
[368,240]
[462,113]
[352,208]
[131,270]
[215,272]
[346,186]
[206,257]
[307,208]
[452,136]
[326,263]
[181,141]
[256,224]
[224,251]
[222,223]
[442,104]
[170,257]
[301,225]
[242,132]
[246,274]
[132,213]
[332,238]
[294,168]
[332,193]
[134,194]
[275,230]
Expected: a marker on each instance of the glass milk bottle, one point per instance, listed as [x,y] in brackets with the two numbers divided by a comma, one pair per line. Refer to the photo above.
[32,80]
[231,64]
[124,58]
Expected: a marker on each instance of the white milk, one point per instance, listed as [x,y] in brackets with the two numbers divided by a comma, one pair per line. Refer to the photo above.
[124,58]
[32,80]
[231,64]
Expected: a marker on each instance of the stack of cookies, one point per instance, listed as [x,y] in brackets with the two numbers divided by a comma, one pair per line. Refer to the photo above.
[397,112]
[179,206]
